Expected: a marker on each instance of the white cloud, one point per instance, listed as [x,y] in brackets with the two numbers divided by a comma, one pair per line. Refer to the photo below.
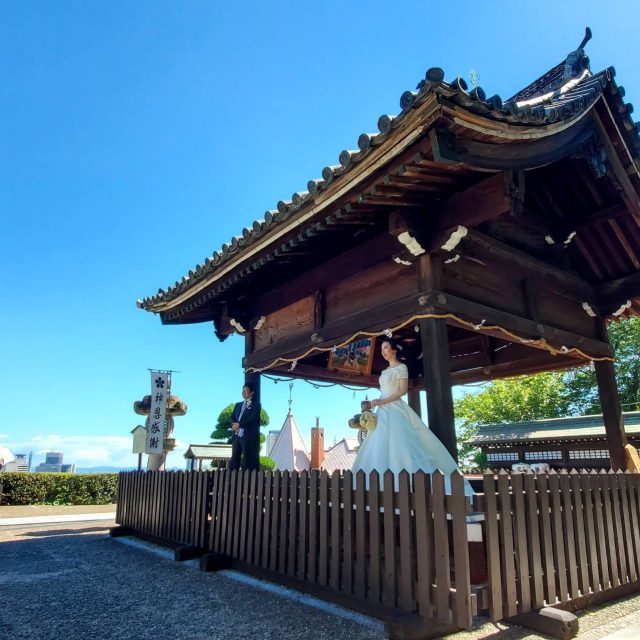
[82,450]
[4,436]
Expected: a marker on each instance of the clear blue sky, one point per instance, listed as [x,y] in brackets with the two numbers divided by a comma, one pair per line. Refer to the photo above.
[137,137]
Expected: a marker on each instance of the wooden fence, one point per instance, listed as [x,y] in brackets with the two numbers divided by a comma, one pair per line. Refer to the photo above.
[388,544]
[170,506]
[560,537]
[381,547]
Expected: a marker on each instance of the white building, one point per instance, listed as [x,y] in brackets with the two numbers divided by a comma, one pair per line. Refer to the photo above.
[290,452]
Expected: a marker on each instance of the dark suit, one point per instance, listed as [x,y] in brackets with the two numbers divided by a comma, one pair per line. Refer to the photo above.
[247,446]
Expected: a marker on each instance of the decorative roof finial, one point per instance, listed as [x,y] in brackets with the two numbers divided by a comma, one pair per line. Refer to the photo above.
[290,395]
[577,61]
[587,37]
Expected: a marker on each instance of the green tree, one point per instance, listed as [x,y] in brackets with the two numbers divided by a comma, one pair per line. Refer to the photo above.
[514,400]
[581,385]
[222,431]
[549,395]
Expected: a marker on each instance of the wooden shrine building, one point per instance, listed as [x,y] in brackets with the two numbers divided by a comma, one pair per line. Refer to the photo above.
[494,237]
[578,442]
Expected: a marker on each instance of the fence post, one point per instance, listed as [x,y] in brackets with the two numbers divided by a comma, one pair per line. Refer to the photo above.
[493,546]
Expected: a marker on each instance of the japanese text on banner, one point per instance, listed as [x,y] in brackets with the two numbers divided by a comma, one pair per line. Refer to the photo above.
[156,429]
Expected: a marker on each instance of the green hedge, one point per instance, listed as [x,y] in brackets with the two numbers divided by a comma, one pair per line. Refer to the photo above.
[58,488]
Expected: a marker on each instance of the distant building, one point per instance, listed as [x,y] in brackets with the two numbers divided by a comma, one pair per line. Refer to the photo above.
[290,453]
[577,442]
[272,436]
[53,464]
[217,454]
[341,456]
[23,462]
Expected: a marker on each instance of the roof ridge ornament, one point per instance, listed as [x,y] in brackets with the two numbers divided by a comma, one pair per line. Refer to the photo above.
[573,67]
[577,61]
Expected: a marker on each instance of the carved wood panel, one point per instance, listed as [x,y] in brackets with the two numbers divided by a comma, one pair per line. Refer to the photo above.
[290,321]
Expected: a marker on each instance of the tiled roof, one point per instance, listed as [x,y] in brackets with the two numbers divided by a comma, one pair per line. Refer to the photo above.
[209,451]
[573,428]
[538,105]
[340,456]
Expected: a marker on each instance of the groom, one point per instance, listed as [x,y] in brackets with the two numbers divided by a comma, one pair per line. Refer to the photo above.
[245,424]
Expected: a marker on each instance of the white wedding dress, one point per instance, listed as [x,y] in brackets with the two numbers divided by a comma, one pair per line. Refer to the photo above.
[401,441]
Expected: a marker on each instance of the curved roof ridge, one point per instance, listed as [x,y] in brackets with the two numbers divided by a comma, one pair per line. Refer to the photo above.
[561,94]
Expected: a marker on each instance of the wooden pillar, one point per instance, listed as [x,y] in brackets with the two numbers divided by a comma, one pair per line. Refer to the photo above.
[611,413]
[251,378]
[414,400]
[437,378]
[436,360]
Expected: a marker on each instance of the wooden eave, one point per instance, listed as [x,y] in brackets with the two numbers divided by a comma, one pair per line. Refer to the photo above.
[404,168]
[412,178]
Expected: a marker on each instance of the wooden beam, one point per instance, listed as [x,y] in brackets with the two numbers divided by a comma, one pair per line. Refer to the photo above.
[447,147]
[523,327]
[526,366]
[529,265]
[429,301]
[322,374]
[408,175]
[629,193]
[437,380]
[352,261]
[376,319]
[614,293]
[484,201]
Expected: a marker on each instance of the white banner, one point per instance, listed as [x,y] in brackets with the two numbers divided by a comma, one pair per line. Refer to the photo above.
[157,424]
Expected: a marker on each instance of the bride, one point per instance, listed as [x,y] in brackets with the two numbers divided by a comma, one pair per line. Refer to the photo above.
[401,441]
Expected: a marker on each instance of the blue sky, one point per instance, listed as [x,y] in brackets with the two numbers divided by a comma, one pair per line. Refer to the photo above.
[138,137]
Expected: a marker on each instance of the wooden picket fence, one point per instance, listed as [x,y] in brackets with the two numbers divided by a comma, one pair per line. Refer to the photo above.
[399,543]
[170,506]
[560,537]
[382,547]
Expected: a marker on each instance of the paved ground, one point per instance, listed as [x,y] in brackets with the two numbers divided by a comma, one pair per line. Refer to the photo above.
[38,510]
[73,581]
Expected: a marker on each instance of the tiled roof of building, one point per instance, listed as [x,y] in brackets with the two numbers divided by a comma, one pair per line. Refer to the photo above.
[341,456]
[572,428]
[563,94]
[209,451]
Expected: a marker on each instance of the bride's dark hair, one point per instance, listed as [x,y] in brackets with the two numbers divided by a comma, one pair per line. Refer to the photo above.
[395,345]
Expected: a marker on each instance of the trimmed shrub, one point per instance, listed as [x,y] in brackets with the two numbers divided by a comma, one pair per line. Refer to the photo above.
[58,488]
[267,464]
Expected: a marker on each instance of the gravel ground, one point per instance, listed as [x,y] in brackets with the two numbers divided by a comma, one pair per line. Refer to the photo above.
[73,581]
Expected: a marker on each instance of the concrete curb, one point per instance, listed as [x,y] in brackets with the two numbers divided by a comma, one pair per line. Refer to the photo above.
[74,517]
